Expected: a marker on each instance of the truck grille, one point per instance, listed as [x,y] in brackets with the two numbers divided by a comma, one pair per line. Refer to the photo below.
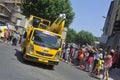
[44,54]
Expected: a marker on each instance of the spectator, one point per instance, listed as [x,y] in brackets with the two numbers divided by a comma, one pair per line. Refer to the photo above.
[14,40]
[96,59]
[81,57]
[6,34]
[0,33]
[20,39]
[97,56]
[90,59]
[72,51]
[67,51]
[108,64]
[98,67]
[63,51]
[85,59]
[75,57]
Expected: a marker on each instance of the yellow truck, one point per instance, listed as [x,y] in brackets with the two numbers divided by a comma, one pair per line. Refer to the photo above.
[43,40]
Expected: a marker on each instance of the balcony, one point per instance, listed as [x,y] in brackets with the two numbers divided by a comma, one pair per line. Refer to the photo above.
[12,1]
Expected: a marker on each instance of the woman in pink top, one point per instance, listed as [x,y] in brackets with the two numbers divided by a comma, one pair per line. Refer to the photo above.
[108,63]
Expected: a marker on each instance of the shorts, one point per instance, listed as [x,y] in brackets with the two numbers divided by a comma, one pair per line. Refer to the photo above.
[106,66]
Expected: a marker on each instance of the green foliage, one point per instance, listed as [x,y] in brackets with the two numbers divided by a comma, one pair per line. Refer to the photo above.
[84,37]
[71,36]
[97,39]
[48,9]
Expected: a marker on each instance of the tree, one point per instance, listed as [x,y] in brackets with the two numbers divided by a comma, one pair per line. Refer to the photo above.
[48,9]
[84,37]
[97,39]
[71,36]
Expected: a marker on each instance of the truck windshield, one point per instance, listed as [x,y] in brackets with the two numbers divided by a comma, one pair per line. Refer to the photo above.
[46,39]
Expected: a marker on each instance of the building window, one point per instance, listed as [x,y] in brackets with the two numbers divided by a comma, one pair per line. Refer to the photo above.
[2,10]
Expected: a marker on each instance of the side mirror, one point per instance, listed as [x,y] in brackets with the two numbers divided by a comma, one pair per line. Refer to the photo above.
[25,35]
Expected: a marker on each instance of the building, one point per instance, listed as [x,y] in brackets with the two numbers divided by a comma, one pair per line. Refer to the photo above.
[111,31]
[107,26]
[10,12]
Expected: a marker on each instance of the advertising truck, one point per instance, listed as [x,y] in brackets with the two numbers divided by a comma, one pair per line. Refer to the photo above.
[43,40]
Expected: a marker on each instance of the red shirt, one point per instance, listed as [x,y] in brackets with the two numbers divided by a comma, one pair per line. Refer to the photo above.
[115,58]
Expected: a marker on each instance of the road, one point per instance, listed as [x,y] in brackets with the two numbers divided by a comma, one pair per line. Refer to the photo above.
[12,67]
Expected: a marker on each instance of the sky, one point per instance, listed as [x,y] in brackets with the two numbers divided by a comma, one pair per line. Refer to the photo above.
[89,15]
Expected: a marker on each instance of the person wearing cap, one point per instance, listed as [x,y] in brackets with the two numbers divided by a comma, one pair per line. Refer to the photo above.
[108,64]
[101,52]
[98,66]
[97,57]
[115,59]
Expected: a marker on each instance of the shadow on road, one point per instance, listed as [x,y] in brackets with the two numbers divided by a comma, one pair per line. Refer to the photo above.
[89,74]
[18,54]
[114,74]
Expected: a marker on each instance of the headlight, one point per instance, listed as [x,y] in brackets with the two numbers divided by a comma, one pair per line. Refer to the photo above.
[57,56]
[31,49]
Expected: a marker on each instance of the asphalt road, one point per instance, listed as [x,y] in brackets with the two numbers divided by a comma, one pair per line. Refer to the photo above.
[12,67]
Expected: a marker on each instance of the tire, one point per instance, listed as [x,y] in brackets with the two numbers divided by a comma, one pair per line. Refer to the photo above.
[51,67]
[23,52]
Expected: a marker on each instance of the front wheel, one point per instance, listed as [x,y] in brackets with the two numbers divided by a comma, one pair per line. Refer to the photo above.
[23,52]
[51,66]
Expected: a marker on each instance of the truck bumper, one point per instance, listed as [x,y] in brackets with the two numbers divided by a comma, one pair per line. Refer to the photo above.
[39,59]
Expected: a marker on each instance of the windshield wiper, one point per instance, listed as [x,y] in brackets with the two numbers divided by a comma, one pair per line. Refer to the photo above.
[45,44]
[39,43]
[52,46]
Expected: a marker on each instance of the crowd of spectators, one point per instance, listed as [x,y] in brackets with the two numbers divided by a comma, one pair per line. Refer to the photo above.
[94,60]
[10,37]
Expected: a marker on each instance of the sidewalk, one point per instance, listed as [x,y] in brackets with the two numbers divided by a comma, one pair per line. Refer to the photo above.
[113,75]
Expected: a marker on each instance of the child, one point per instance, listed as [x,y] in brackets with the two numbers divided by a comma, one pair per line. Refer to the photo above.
[98,67]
